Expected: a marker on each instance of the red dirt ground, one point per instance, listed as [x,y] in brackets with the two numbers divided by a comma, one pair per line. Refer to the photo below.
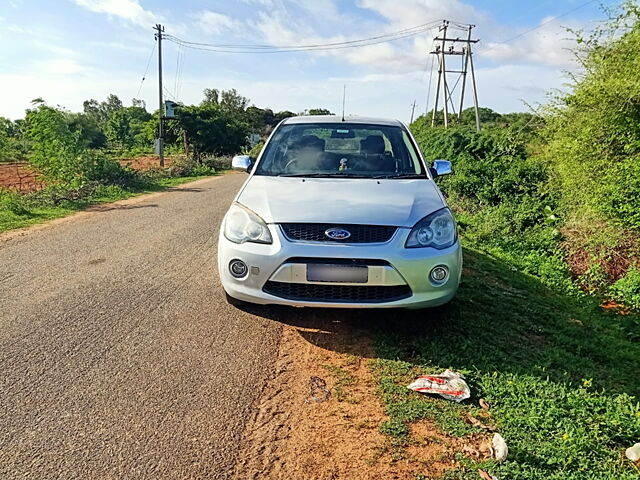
[19,177]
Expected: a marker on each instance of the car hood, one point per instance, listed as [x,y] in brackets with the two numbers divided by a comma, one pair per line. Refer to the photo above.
[397,202]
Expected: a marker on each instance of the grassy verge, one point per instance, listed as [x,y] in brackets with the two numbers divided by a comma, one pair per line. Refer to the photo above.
[560,374]
[17,216]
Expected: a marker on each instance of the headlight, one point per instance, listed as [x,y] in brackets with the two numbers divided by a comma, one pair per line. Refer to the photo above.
[242,225]
[437,230]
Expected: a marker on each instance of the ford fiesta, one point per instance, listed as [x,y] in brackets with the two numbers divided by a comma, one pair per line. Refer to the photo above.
[340,214]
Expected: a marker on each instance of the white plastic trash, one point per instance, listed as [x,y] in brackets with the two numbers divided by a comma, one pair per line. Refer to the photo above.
[500,449]
[633,453]
[449,385]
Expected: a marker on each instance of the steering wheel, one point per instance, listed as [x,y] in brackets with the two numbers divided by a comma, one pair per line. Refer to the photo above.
[289,163]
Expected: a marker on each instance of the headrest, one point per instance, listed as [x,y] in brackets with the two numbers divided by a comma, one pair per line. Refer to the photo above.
[373,144]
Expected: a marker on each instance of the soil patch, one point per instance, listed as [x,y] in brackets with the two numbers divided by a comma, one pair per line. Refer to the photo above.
[19,177]
[299,431]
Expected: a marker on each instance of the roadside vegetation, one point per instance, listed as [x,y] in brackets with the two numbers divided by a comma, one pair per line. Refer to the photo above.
[74,160]
[545,326]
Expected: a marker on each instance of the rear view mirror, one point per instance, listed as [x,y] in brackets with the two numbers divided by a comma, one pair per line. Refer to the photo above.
[242,163]
[441,167]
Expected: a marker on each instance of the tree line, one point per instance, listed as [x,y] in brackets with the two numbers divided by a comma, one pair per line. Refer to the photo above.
[219,125]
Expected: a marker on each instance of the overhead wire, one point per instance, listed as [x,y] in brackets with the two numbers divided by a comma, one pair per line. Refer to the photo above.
[526,32]
[248,48]
[144,76]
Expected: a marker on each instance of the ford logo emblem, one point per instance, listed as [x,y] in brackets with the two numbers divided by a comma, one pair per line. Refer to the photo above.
[337,233]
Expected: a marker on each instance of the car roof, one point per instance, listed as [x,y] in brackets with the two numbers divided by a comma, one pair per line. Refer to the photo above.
[338,119]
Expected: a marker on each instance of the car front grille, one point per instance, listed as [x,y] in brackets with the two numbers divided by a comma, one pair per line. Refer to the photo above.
[314,232]
[337,293]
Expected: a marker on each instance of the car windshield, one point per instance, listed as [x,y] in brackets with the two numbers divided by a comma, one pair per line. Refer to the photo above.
[340,150]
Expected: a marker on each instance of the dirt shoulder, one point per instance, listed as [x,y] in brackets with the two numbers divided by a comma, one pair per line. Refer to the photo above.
[301,430]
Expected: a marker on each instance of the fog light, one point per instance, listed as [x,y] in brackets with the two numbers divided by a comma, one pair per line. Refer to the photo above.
[439,274]
[238,268]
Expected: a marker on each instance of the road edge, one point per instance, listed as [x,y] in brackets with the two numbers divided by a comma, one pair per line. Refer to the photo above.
[93,209]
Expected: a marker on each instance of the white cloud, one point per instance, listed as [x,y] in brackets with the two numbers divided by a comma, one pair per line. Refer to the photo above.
[61,66]
[550,44]
[129,10]
[415,12]
[213,22]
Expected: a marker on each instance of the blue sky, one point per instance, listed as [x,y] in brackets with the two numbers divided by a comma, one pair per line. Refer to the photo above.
[67,51]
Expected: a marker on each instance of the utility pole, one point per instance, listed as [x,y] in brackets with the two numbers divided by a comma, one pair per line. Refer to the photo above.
[441,74]
[158,36]
[447,47]
[413,111]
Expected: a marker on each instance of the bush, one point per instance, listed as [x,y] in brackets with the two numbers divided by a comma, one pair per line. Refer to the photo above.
[593,132]
[217,162]
[500,195]
[189,167]
[627,289]
[13,202]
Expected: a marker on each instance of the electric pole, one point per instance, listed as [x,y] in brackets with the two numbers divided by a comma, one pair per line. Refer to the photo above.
[158,36]
[413,110]
[448,47]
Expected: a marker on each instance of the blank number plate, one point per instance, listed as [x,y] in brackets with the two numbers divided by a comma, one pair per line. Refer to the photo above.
[319,272]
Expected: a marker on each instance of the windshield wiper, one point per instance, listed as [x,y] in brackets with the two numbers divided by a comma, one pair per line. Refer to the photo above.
[401,175]
[302,175]
[324,175]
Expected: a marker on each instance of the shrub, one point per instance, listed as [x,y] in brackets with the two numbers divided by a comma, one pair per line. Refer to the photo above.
[189,167]
[13,202]
[593,133]
[627,289]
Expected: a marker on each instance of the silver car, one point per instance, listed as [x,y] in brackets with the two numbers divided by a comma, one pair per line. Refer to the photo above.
[340,213]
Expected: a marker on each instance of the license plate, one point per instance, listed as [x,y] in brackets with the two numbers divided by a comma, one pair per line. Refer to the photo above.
[320,272]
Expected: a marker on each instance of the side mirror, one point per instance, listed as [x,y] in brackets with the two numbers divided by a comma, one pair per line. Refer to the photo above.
[242,163]
[441,167]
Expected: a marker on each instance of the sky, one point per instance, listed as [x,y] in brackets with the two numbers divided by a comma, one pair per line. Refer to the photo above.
[67,51]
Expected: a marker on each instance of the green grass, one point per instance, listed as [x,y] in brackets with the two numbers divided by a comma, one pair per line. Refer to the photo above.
[561,375]
[19,218]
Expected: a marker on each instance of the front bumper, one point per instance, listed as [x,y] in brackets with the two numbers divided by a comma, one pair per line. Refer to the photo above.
[406,266]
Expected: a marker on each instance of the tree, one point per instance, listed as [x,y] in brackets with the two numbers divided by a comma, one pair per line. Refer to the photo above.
[89,130]
[56,149]
[210,129]
[231,101]
[319,111]
[125,127]
[211,97]
[282,115]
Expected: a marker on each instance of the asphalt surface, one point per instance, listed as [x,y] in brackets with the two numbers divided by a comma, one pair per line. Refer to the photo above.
[119,357]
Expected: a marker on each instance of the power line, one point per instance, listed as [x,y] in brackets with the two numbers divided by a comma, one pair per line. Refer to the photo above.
[146,70]
[226,48]
[526,32]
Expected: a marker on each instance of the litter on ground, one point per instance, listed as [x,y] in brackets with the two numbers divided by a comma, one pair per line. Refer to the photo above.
[500,449]
[449,385]
[633,453]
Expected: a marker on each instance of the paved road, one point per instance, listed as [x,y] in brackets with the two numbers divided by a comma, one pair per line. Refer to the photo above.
[118,356]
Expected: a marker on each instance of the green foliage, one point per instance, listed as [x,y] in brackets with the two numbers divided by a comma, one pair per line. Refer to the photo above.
[189,167]
[319,111]
[627,288]
[210,129]
[500,193]
[256,149]
[593,133]
[127,128]
[559,373]
[62,156]
[57,151]
[13,144]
